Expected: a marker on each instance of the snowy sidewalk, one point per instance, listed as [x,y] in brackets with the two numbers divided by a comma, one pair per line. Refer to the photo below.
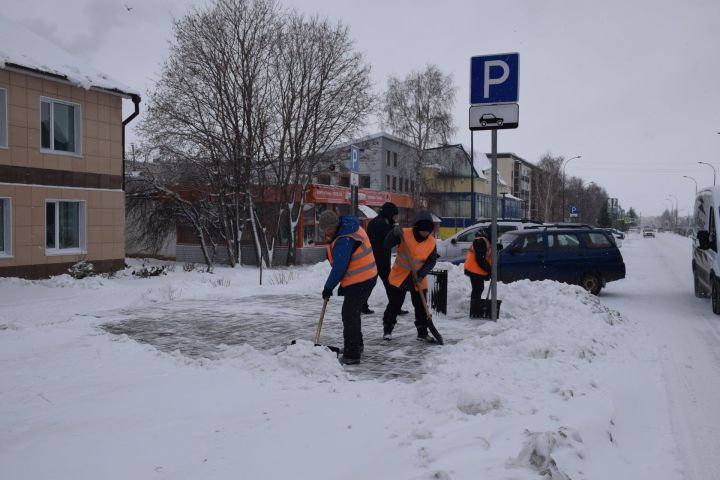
[198,328]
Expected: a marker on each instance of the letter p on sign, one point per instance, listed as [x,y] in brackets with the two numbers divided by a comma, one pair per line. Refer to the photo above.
[494,78]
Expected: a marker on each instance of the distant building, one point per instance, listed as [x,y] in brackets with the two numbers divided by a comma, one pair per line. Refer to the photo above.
[518,172]
[61,159]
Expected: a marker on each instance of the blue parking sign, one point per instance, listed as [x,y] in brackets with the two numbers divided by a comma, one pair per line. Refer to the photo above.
[494,78]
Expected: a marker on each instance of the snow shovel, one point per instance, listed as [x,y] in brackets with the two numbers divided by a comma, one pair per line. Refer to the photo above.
[335,350]
[430,324]
[482,307]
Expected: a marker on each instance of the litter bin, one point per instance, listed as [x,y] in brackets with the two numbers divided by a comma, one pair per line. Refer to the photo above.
[438,295]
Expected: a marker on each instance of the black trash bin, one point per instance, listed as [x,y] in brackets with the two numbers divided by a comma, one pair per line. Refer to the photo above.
[438,295]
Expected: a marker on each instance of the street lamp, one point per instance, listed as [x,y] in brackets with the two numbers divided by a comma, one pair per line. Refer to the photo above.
[563,183]
[709,165]
[676,210]
[691,178]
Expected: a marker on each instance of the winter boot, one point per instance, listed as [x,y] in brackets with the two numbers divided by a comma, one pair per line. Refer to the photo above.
[349,360]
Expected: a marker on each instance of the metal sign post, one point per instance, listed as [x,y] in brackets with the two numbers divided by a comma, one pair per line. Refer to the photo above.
[493,106]
[354,178]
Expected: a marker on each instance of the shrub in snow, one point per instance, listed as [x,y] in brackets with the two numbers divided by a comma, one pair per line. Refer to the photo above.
[188,267]
[82,269]
[153,271]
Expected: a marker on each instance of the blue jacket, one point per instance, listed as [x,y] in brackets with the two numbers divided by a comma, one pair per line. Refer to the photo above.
[342,251]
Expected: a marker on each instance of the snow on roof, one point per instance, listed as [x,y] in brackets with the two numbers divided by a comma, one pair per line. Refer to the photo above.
[21,48]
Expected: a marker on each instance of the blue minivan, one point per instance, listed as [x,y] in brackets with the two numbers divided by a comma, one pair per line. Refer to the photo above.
[582,256]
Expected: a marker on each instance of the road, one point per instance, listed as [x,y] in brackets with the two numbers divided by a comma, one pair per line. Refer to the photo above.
[658,294]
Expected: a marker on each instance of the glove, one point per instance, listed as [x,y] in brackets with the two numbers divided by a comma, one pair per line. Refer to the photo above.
[397,231]
[326,294]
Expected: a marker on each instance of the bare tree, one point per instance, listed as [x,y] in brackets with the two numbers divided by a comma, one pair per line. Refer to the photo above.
[209,113]
[418,109]
[323,98]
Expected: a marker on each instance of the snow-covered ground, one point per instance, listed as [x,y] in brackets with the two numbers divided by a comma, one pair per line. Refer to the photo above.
[565,385]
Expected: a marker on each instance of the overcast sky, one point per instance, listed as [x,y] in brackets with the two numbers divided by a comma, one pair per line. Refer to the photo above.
[631,85]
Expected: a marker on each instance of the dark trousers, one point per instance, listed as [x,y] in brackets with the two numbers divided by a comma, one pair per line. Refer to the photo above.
[396,297]
[355,297]
[478,285]
[383,275]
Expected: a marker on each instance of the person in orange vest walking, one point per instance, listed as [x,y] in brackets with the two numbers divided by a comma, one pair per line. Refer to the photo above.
[416,250]
[478,263]
[353,267]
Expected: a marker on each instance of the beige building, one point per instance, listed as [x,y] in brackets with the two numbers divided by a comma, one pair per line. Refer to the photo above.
[518,173]
[61,160]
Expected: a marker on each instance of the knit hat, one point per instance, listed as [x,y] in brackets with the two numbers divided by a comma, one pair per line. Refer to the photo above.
[388,210]
[328,218]
[424,221]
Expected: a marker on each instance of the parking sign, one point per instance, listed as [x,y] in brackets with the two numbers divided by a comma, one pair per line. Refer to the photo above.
[494,78]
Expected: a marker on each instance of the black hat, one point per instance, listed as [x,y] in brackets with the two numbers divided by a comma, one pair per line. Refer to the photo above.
[424,221]
[388,210]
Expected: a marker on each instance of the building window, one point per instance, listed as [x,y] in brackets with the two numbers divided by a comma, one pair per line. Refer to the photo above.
[387,157]
[387,181]
[364,181]
[64,227]
[60,126]
[407,184]
[5,228]
[394,184]
[3,119]
[395,159]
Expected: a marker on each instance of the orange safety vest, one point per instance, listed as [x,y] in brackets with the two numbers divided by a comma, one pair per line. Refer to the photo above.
[411,254]
[471,264]
[362,262]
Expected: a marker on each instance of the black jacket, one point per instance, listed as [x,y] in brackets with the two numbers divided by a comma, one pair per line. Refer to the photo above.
[377,230]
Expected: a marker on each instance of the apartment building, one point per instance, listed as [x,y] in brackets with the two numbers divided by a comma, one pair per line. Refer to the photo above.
[61,159]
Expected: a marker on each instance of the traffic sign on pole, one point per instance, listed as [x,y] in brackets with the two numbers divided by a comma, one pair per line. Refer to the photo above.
[494,78]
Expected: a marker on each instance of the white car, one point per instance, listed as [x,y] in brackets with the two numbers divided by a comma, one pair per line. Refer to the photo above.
[648,232]
[457,246]
[706,261]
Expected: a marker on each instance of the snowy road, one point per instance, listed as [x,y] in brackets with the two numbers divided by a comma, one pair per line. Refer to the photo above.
[658,294]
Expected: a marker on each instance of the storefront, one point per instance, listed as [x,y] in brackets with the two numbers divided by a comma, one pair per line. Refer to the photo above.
[323,197]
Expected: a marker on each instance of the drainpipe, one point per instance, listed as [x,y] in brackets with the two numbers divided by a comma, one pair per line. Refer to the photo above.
[136,100]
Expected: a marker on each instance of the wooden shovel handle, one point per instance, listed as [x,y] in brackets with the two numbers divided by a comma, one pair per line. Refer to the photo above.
[322,316]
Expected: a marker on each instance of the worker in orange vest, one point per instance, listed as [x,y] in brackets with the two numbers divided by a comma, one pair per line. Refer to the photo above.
[353,267]
[416,250]
[478,263]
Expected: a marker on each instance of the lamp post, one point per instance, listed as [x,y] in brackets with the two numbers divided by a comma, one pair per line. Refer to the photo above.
[691,178]
[563,183]
[709,165]
[676,210]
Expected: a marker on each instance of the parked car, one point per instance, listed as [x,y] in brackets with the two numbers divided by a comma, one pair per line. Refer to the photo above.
[456,246]
[648,232]
[617,233]
[582,256]
[706,261]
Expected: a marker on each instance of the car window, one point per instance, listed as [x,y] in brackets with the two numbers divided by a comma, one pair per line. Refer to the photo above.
[596,240]
[712,229]
[532,243]
[507,238]
[505,228]
[467,236]
[563,241]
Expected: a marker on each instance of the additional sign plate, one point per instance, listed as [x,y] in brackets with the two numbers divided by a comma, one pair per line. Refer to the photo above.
[494,117]
[355,159]
[494,78]
[354,179]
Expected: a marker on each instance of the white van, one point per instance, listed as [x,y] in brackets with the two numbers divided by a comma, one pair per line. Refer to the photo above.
[706,261]
[452,248]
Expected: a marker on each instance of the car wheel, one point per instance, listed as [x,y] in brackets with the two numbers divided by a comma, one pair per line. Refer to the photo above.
[500,122]
[699,292]
[715,296]
[483,123]
[591,283]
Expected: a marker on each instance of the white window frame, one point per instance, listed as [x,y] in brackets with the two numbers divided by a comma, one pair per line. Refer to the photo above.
[7,227]
[78,127]
[82,250]
[4,129]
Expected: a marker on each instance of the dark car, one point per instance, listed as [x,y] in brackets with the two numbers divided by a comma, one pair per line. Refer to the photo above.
[587,257]
[490,118]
